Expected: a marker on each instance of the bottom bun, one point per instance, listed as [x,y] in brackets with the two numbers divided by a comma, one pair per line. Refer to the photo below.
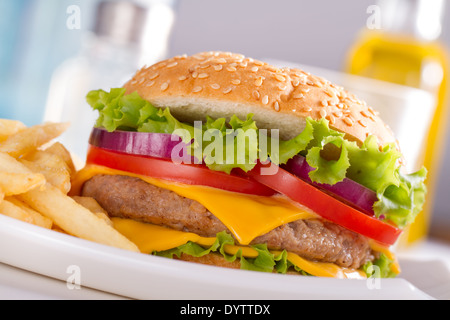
[214,259]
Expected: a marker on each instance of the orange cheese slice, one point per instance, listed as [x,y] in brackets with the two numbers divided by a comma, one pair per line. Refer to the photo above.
[150,238]
[246,216]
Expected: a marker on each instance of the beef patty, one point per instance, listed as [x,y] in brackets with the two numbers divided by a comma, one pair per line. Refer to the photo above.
[313,239]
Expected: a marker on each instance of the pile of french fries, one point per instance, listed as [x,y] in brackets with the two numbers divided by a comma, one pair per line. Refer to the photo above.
[35,179]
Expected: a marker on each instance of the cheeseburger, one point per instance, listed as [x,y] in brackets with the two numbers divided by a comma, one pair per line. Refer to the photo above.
[225,160]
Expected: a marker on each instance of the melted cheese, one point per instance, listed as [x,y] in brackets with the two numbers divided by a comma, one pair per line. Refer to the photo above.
[150,238]
[246,216]
[378,247]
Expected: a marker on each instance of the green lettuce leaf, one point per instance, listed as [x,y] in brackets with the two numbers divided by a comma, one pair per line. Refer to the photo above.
[237,141]
[265,261]
[236,144]
[379,268]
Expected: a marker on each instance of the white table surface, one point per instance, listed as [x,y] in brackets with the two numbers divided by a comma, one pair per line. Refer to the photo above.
[18,284]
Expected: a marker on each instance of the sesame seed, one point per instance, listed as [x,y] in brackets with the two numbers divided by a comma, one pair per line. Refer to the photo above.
[329,93]
[324,103]
[265,99]
[243,64]
[161,65]
[318,84]
[298,96]
[280,78]
[295,83]
[305,90]
[256,95]
[227,90]
[197,89]
[150,83]
[203,75]
[348,122]
[235,81]
[171,65]
[307,109]
[221,60]
[332,119]
[164,86]
[231,68]
[323,113]
[282,87]
[218,67]
[362,123]
[276,106]
[215,86]
[365,114]
[133,82]
[153,76]
[182,78]
[258,63]
[254,69]
[198,57]
[194,74]
[338,114]
[375,113]
[259,81]
[141,81]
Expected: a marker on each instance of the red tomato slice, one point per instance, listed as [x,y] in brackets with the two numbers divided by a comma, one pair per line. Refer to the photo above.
[327,206]
[167,170]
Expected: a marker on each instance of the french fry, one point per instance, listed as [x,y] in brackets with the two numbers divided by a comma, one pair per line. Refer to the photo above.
[9,127]
[74,218]
[59,178]
[16,178]
[52,166]
[11,210]
[47,159]
[38,219]
[93,206]
[58,149]
[29,139]
[12,183]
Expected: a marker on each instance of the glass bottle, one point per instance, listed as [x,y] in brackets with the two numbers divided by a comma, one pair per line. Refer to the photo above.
[125,36]
[405,49]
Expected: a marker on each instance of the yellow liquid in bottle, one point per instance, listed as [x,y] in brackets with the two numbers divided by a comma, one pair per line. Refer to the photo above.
[402,60]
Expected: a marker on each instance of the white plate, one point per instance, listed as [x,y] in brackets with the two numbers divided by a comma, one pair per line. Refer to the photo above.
[142,276]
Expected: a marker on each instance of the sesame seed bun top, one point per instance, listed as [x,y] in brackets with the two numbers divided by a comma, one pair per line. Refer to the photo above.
[220,84]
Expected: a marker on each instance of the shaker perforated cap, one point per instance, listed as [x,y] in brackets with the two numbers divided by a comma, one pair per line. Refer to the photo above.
[121,21]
